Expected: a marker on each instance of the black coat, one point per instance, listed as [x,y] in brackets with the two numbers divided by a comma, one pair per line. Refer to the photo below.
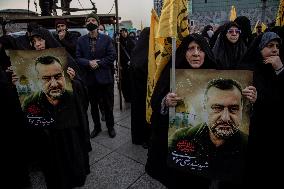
[139,72]
[69,42]
[266,123]
[60,143]
[13,134]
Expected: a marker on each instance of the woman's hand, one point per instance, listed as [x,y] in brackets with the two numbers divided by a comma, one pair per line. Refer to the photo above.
[275,61]
[71,73]
[172,99]
[250,93]
[15,78]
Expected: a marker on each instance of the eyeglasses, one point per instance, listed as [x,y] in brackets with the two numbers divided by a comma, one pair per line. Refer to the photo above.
[231,31]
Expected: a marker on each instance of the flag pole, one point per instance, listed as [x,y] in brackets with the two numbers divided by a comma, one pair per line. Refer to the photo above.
[172,110]
[118,55]
[173,64]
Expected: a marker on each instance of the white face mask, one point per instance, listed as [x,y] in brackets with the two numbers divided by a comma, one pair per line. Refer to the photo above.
[210,33]
[101,32]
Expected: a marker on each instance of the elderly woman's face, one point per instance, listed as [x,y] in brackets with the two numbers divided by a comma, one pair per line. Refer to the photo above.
[195,55]
[233,34]
[271,49]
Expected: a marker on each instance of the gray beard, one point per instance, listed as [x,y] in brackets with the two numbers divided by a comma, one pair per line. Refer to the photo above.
[224,133]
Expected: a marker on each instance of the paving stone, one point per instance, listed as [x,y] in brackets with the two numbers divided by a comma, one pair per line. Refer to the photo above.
[147,182]
[122,136]
[98,152]
[114,171]
[126,122]
[135,152]
[120,115]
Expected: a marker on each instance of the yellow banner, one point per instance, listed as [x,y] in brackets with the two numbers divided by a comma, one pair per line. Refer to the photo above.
[172,23]
[280,16]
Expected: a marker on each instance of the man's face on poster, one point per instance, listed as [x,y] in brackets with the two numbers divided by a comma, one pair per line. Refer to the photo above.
[224,109]
[52,79]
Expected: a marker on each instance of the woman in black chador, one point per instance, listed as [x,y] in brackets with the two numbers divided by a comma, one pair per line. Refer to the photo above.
[264,58]
[192,47]
[229,47]
[138,71]
[13,133]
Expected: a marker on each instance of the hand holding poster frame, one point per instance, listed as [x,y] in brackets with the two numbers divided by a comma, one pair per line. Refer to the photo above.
[42,77]
[208,133]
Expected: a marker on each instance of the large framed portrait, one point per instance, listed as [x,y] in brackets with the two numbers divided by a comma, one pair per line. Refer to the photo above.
[208,129]
[43,80]
[24,65]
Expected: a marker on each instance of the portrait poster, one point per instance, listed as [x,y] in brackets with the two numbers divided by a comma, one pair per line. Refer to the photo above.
[190,148]
[30,85]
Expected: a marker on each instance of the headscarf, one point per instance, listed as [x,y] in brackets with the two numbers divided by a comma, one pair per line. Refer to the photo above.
[204,32]
[50,41]
[245,26]
[163,84]
[228,54]
[181,62]
[253,57]
[267,37]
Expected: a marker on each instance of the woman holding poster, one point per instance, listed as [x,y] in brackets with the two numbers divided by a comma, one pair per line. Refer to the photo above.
[193,53]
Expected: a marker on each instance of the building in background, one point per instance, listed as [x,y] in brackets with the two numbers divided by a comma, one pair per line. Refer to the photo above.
[158,5]
[216,12]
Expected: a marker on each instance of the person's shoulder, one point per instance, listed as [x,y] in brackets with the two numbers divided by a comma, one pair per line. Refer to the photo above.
[83,37]
[188,131]
[104,37]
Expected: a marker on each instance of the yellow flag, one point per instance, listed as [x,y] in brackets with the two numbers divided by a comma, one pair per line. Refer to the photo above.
[280,16]
[172,23]
[254,29]
[263,27]
[233,13]
[151,63]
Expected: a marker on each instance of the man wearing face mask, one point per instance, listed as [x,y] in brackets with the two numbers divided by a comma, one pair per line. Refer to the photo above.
[65,38]
[95,54]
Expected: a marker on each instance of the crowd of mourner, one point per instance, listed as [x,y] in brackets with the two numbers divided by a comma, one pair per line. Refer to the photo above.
[59,145]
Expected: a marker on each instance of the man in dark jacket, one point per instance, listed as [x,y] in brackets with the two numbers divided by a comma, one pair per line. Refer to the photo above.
[65,38]
[96,54]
